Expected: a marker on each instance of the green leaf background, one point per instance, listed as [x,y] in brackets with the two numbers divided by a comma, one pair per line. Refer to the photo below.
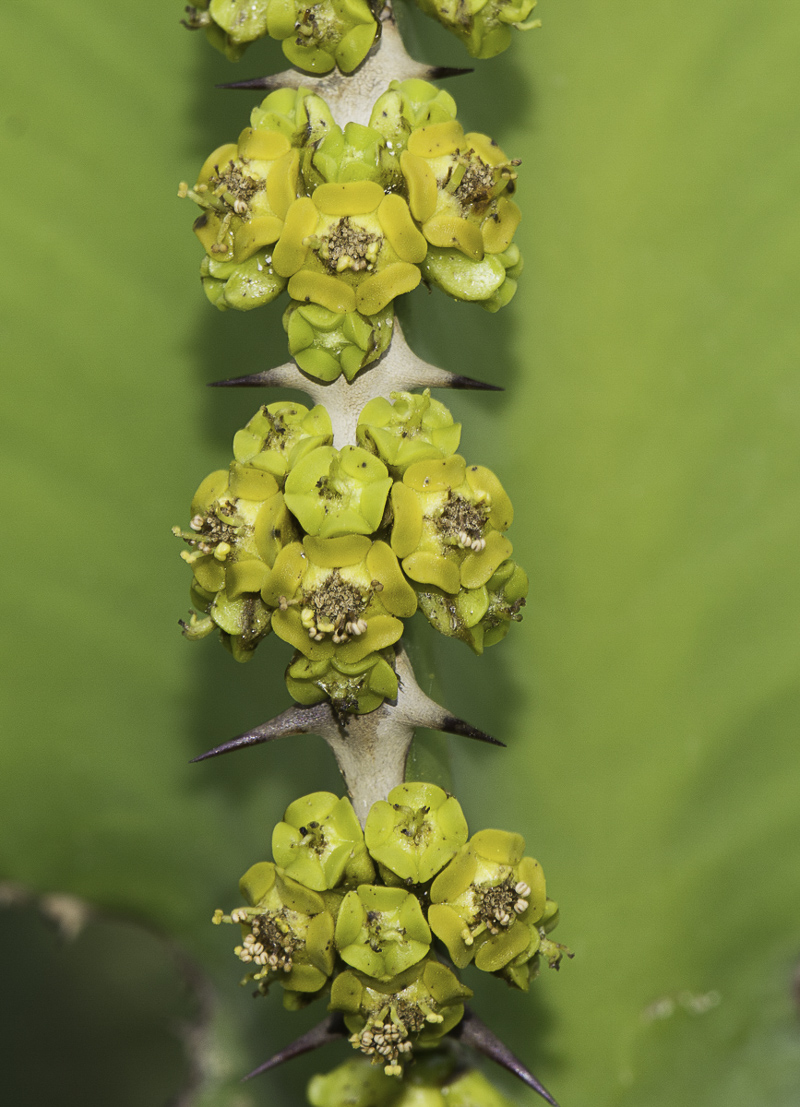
[649,438]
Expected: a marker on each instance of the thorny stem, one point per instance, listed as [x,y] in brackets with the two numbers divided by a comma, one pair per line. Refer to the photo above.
[371,750]
[398,369]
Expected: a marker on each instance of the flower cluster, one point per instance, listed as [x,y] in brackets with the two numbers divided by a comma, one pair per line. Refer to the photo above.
[325,34]
[348,219]
[314,36]
[333,548]
[362,916]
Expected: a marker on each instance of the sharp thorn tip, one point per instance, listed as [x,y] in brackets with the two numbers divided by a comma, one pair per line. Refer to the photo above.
[477,386]
[475,1033]
[451,725]
[254,380]
[439,72]
[251,82]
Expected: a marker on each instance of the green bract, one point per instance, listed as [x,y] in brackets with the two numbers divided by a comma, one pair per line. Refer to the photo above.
[416,831]
[326,343]
[458,188]
[315,36]
[338,597]
[387,1019]
[381,931]
[320,843]
[491,282]
[478,616]
[489,905]
[411,428]
[484,26]
[287,931]
[356,687]
[449,520]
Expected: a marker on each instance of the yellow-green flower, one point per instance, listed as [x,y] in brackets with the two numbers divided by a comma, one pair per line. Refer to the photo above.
[490,905]
[415,831]
[415,1007]
[349,247]
[449,520]
[315,36]
[458,189]
[409,429]
[246,189]
[239,521]
[342,597]
[287,932]
[320,843]
[484,26]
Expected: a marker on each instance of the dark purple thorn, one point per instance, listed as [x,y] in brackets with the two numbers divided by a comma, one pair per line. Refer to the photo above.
[329,1030]
[255,82]
[253,380]
[451,725]
[473,1032]
[439,72]
[295,720]
[469,382]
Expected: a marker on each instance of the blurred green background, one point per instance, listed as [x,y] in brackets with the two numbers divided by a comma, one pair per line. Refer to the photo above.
[649,438]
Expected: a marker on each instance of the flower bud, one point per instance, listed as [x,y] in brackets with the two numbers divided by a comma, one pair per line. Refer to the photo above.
[490,282]
[354,688]
[478,616]
[327,343]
